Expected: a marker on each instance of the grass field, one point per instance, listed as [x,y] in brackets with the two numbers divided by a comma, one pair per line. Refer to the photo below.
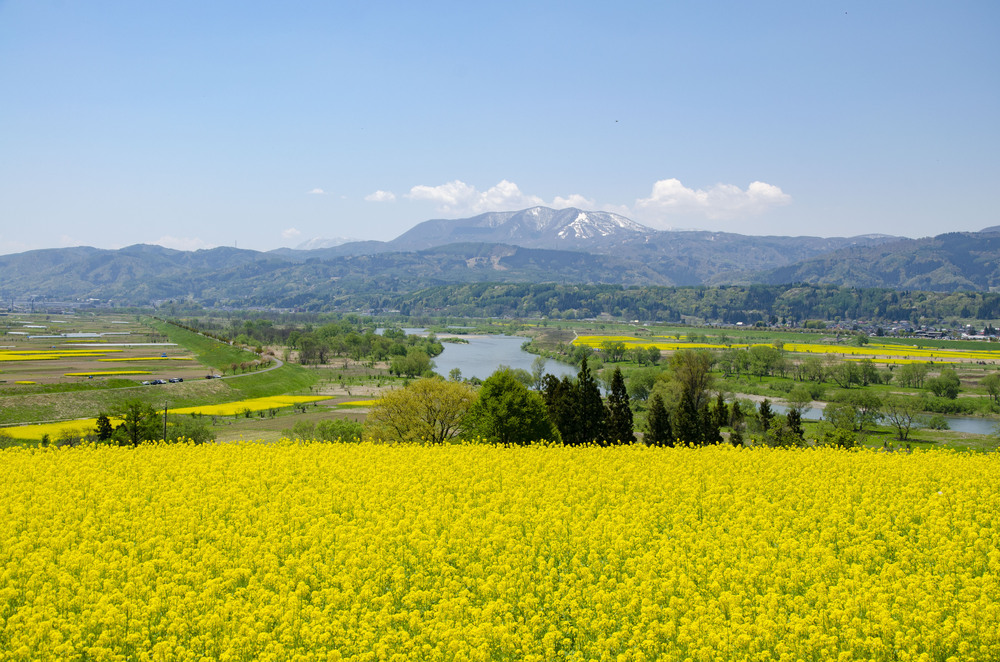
[367,552]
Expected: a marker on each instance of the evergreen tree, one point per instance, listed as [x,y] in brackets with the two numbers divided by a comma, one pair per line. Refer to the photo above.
[589,407]
[619,414]
[687,421]
[794,419]
[658,430]
[560,399]
[708,427]
[104,428]
[721,412]
[766,415]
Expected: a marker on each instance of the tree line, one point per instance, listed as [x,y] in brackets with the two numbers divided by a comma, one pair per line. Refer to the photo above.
[731,304]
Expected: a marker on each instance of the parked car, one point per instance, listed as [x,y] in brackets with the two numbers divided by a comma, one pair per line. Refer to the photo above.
[159,381]
[175,380]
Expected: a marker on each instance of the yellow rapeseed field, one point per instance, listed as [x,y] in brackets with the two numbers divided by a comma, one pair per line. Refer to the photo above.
[472,552]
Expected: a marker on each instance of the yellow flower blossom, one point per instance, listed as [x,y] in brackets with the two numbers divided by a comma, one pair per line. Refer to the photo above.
[468,552]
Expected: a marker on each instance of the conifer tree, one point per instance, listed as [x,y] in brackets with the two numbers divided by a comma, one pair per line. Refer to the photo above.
[619,414]
[658,430]
[589,407]
[708,426]
[687,421]
[766,415]
[721,411]
[560,400]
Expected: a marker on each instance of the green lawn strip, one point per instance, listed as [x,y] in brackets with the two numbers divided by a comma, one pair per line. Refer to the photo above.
[208,351]
[289,378]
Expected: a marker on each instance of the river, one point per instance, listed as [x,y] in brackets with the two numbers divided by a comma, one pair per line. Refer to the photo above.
[956,423]
[484,354]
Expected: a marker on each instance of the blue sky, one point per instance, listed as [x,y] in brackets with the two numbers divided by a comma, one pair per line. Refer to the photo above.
[197,124]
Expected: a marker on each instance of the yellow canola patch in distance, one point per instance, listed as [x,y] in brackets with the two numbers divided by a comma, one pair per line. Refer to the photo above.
[253,404]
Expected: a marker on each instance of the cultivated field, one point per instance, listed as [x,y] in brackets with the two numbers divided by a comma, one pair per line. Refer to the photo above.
[368,552]
[69,349]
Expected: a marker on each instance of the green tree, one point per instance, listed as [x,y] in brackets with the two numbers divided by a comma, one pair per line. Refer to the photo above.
[686,421]
[991,383]
[868,407]
[429,410]
[658,430]
[867,372]
[765,414]
[620,427]
[912,375]
[104,428]
[140,422]
[845,374]
[416,362]
[945,385]
[764,360]
[560,397]
[841,415]
[691,374]
[590,407]
[794,420]
[614,350]
[538,372]
[339,429]
[506,412]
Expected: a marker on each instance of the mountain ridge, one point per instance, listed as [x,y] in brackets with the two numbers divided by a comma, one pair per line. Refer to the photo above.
[531,245]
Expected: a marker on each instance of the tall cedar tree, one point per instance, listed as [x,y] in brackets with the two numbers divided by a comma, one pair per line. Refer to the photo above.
[589,407]
[687,421]
[709,426]
[619,415]
[658,429]
[721,411]
[560,399]
[766,415]
[104,427]
[794,419]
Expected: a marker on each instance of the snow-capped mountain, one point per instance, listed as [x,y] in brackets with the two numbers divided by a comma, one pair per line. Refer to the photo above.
[537,227]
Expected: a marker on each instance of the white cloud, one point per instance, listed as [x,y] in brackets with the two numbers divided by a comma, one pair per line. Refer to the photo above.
[573,200]
[381,196]
[66,241]
[722,201]
[181,243]
[290,233]
[317,191]
[669,199]
[459,197]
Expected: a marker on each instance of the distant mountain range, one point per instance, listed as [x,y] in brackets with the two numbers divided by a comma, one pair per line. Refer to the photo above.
[532,245]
